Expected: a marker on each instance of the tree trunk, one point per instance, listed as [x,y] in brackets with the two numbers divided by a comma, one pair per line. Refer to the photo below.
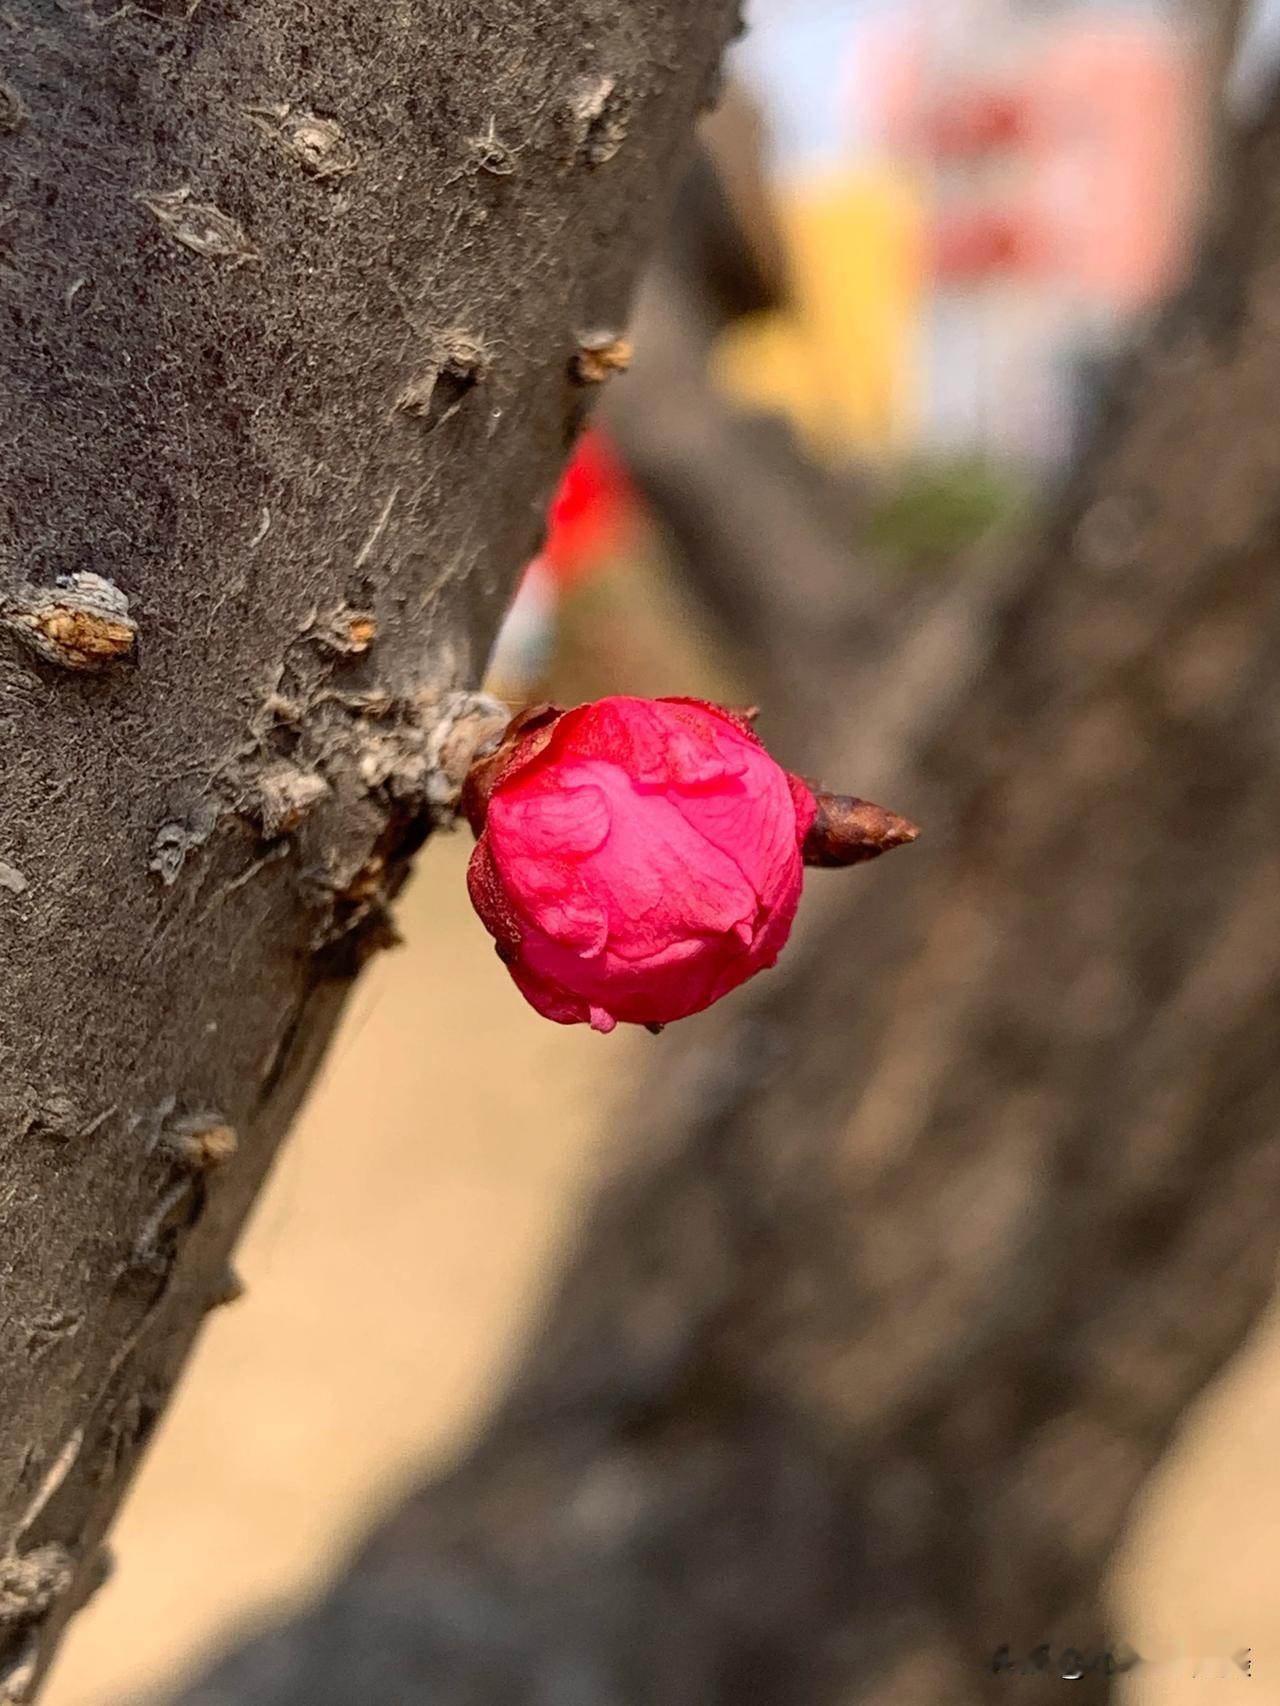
[291,298]
[929,1240]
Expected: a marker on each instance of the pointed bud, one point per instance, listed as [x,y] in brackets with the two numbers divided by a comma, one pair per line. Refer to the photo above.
[848,831]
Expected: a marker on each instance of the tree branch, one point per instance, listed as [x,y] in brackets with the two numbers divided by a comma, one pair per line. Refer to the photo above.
[291,295]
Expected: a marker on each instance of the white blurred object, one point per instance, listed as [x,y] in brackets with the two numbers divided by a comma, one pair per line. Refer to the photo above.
[527,639]
[794,57]
[1256,61]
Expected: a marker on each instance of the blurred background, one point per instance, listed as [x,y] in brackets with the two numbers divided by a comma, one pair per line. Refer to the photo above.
[919,240]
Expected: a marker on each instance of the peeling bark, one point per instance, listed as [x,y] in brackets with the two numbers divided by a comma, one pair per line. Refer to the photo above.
[285,368]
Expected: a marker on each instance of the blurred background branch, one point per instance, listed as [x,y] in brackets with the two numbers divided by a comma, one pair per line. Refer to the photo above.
[765,535]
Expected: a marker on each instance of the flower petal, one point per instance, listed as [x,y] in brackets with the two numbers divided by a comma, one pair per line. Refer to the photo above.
[659,743]
[541,832]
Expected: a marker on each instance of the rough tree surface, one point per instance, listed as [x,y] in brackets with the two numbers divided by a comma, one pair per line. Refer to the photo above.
[930,1238]
[290,297]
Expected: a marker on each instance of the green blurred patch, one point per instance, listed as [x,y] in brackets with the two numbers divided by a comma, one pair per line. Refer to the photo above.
[933,511]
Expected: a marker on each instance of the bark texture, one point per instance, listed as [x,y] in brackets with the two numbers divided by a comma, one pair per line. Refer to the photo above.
[926,1243]
[290,297]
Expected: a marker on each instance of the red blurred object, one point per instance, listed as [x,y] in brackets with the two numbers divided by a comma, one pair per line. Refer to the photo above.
[977,121]
[984,244]
[594,508]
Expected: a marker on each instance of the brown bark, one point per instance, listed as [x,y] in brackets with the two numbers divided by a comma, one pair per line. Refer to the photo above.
[926,1243]
[290,298]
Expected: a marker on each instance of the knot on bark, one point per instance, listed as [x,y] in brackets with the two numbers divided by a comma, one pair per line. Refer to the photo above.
[82,622]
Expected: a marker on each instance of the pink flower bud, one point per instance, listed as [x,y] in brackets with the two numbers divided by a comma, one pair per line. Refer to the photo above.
[637,858]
